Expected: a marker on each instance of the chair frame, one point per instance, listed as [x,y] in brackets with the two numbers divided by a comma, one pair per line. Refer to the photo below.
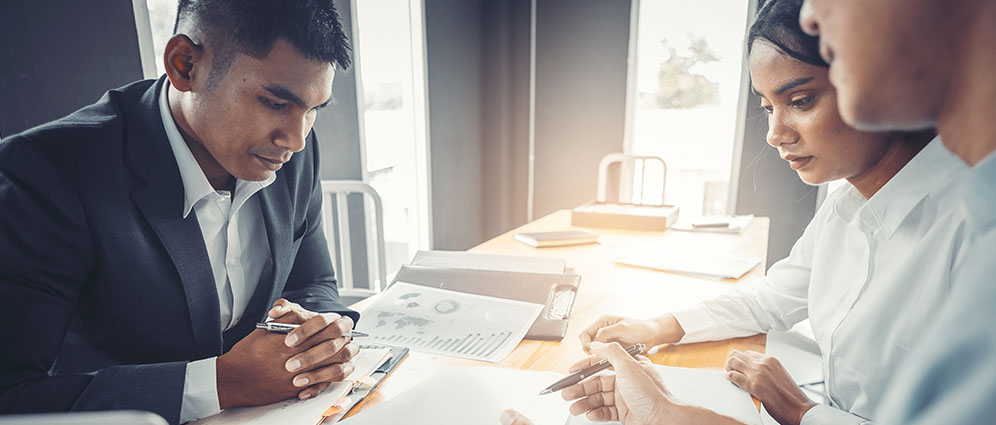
[624,160]
[340,190]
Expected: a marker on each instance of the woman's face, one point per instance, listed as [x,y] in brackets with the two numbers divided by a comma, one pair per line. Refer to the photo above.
[803,122]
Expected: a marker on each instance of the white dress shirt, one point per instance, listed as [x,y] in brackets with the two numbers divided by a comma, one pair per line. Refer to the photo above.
[237,247]
[867,273]
[951,376]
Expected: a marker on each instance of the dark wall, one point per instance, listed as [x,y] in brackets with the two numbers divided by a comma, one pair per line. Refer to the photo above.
[581,71]
[454,53]
[505,138]
[57,59]
[337,126]
[478,66]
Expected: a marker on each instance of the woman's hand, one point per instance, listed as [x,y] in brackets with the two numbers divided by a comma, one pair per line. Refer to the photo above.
[765,378]
[661,330]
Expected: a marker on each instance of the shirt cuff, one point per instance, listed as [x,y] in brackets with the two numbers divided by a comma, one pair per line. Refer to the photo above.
[697,323]
[822,414]
[200,390]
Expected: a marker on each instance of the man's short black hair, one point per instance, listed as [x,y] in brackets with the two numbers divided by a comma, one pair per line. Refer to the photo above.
[251,27]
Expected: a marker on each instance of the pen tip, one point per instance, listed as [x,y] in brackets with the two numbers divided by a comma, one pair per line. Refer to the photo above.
[545,392]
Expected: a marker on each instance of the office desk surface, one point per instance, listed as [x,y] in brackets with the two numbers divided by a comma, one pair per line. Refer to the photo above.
[608,288]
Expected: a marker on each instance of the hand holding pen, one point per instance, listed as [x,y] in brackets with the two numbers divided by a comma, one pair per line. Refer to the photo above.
[634,394]
[588,371]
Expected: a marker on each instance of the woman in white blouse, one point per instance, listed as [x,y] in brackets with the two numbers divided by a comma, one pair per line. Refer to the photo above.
[868,271]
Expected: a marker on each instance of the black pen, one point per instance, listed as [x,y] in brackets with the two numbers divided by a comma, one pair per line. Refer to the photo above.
[282,328]
[582,374]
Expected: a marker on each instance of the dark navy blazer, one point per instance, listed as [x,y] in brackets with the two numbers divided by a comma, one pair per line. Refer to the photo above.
[106,291]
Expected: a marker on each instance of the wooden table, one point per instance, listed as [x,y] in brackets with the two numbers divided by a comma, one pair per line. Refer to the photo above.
[607,288]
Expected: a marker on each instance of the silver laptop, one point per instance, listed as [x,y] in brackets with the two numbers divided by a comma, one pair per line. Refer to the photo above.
[117,417]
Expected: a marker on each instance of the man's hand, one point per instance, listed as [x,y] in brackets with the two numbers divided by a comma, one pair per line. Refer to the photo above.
[765,378]
[634,395]
[662,330]
[266,367]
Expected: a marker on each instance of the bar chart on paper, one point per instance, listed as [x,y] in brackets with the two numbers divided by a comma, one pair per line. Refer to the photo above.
[448,322]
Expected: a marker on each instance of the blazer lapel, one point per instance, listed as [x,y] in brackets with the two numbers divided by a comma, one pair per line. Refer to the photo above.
[275,202]
[148,154]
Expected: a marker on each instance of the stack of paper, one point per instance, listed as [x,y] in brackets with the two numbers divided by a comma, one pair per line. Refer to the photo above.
[493,262]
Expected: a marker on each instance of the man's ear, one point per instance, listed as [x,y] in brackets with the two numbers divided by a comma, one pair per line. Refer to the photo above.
[183,60]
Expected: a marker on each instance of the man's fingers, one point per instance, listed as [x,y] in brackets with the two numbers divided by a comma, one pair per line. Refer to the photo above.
[336,329]
[313,326]
[597,384]
[279,308]
[604,414]
[612,333]
[615,354]
[511,417]
[592,402]
[337,350]
[335,372]
[312,391]
[586,336]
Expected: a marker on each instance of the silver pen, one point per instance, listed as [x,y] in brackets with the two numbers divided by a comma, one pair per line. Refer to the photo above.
[582,374]
[282,328]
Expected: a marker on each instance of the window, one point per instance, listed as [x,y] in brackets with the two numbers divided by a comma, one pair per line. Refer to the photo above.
[389,53]
[689,61]
[162,16]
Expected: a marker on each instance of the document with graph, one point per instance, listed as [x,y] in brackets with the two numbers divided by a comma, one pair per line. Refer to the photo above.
[447,322]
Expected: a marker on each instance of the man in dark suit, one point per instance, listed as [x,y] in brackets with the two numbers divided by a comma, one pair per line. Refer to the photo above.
[144,236]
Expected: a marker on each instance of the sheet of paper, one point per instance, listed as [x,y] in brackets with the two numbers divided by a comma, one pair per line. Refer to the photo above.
[726,266]
[703,388]
[500,263]
[448,323]
[799,354]
[470,395]
[294,411]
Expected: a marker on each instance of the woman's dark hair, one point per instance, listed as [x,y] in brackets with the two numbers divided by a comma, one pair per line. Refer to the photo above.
[777,23]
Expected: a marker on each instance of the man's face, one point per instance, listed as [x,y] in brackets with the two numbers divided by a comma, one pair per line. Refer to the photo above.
[889,59]
[260,111]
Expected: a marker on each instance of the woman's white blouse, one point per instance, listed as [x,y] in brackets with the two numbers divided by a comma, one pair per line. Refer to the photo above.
[869,274]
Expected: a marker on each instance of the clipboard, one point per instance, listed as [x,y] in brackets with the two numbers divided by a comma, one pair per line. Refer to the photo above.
[555,291]
[398,355]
